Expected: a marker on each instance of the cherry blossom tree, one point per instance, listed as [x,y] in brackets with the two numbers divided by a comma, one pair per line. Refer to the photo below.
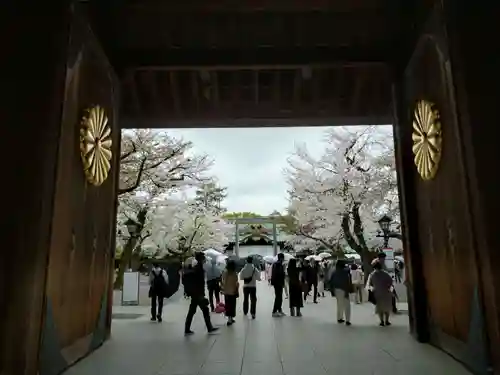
[336,199]
[182,227]
[153,165]
[154,158]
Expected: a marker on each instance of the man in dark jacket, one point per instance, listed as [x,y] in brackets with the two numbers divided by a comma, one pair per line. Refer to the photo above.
[341,286]
[278,282]
[194,286]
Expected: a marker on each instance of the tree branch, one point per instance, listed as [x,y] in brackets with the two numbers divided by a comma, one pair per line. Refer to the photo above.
[127,154]
[323,242]
[137,181]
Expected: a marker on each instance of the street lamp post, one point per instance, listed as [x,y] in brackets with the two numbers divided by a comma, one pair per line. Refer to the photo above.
[385,224]
[133,231]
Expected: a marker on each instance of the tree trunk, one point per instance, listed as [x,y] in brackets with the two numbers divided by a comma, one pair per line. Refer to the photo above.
[125,261]
[128,250]
[366,259]
[135,262]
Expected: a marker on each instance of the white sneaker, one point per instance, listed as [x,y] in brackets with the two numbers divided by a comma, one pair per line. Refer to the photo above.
[277,315]
[282,314]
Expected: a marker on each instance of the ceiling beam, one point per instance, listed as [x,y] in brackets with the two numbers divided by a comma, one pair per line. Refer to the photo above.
[164,59]
[251,6]
[233,122]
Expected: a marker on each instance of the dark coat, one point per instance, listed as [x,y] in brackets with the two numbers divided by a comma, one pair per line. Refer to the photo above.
[312,274]
[295,287]
[194,281]
[278,275]
[341,279]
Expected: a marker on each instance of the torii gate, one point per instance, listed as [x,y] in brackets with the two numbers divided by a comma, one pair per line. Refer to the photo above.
[255,220]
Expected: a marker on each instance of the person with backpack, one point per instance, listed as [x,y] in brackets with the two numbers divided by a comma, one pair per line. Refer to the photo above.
[193,280]
[158,290]
[250,275]
[278,282]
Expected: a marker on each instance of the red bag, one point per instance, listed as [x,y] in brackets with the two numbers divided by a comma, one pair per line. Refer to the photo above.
[220,308]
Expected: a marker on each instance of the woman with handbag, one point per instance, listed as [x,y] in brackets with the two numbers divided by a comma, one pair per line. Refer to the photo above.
[250,275]
[382,285]
[230,289]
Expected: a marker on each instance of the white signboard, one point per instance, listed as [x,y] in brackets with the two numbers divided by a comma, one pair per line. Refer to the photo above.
[389,258]
[130,290]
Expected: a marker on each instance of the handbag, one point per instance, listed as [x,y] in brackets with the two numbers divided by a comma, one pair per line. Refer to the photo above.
[220,308]
[248,280]
[371,297]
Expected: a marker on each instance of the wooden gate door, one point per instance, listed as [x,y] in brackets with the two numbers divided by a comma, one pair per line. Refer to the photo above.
[78,285]
[442,219]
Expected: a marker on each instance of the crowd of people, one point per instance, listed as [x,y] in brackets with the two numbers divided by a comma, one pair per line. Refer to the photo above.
[296,279]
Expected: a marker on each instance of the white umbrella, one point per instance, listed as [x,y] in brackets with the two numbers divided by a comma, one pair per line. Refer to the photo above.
[325,255]
[221,259]
[314,257]
[353,256]
[212,253]
[269,259]
[287,257]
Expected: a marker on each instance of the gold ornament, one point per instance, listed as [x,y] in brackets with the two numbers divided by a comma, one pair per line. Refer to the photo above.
[95,145]
[427,139]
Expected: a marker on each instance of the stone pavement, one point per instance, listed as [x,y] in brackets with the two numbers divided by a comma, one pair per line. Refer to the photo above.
[313,344]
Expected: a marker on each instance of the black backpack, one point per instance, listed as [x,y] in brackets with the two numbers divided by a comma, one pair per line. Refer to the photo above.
[159,285]
[188,281]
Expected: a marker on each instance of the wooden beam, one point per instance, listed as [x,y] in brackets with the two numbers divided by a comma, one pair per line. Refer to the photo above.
[162,59]
[276,87]
[131,87]
[214,120]
[216,93]
[360,80]
[195,89]
[235,86]
[256,86]
[297,86]
[254,6]
[174,90]
[316,77]
[152,83]
[225,68]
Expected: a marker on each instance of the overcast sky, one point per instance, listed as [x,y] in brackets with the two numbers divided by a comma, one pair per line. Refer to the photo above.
[250,161]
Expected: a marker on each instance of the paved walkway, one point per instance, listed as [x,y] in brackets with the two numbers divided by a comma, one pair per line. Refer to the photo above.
[314,344]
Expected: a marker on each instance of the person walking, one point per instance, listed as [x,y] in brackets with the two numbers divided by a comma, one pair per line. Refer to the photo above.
[321,279]
[158,285]
[381,258]
[230,289]
[214,274]
[250,275]
[357,278]
[278,282]
[295,288]
[312,280]
[341,286]
[382,285]
[194,285]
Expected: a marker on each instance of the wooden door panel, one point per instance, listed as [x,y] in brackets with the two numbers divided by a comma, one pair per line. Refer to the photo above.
[443,226]
[82,240]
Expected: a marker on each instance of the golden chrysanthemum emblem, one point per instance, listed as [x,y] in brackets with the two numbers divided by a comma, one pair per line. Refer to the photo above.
[95,145]
[427,139]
